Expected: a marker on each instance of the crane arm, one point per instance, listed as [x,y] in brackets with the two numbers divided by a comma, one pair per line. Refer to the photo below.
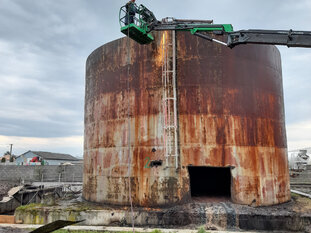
[142,27]
[274,37]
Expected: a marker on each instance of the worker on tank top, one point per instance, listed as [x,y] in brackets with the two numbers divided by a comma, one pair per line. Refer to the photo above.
[131,10]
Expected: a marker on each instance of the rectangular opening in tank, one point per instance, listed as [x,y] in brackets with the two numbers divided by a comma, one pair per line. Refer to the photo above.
[210,181]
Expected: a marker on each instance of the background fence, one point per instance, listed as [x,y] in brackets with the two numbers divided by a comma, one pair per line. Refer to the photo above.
[46,173]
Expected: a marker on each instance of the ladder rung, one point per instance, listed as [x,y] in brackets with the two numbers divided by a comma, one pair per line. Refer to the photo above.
[171,155]
[170,127]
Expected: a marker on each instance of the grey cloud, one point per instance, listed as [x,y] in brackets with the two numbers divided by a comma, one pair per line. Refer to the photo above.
[44,45]
[56,128]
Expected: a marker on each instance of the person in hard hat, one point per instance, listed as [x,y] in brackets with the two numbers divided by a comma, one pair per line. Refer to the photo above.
[131,10]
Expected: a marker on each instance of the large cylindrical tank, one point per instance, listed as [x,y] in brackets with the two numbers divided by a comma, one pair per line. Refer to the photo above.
[230,124]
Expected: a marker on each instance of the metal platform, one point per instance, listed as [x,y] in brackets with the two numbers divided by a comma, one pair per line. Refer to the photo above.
[137,34]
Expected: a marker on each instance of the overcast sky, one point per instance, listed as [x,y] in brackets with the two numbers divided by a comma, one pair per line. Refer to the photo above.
[44,45]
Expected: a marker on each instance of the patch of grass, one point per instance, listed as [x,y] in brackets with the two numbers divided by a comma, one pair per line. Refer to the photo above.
[30,206]
[156,231]
[301,199]
[295,195]
[202,230]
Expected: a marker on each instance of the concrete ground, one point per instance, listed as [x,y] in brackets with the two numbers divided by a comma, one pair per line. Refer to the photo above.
[23,228]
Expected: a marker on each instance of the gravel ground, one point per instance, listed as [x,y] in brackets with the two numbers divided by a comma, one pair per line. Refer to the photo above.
[12,230]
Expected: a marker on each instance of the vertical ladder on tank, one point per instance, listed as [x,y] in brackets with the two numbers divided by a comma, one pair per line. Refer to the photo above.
[169,98]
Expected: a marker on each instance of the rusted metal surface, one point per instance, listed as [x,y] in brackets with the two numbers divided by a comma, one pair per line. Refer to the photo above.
[106,127]
[230,113]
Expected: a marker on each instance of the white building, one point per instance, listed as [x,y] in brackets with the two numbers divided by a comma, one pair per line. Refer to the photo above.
[44,158]
[299,159]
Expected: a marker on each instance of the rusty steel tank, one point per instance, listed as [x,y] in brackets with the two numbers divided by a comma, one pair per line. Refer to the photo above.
[228,119]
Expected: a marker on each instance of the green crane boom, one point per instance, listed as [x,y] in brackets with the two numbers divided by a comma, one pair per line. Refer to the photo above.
[146,22]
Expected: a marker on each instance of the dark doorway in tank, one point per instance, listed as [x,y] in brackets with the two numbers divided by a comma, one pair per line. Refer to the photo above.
[210,181]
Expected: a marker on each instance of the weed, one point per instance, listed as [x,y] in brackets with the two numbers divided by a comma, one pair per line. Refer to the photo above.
[202,230]
[156,231]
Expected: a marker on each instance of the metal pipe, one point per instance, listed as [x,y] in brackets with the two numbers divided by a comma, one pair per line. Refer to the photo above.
[194,21]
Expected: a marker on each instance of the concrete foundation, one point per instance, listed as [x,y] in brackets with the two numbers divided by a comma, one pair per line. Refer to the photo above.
[292,216]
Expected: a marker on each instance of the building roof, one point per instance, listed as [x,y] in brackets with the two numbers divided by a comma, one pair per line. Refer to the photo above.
[53,156]
[306,148]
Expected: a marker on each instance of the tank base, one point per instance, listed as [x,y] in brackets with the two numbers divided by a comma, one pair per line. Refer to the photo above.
[224,215]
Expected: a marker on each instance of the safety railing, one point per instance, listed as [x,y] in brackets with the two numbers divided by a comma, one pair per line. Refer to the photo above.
[124,17]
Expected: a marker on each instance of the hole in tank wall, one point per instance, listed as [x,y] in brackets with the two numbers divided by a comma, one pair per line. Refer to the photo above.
[156,163]
[210,181]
